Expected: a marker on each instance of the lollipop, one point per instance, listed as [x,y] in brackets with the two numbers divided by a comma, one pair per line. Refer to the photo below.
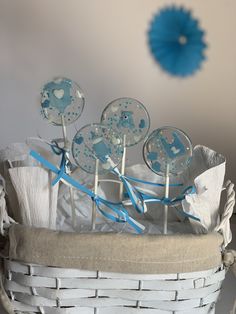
[62,103]
[97,142]
[97,149]
[167,151]
[131,120]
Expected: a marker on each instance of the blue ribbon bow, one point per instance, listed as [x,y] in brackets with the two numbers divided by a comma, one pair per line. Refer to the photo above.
[137,197]
[64,164]
[172,201]
[133,193]
[165,200]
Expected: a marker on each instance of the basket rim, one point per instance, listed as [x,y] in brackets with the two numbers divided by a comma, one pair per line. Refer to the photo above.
[115,252]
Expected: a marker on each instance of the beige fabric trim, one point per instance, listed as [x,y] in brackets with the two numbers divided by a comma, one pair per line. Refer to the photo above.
[124,253]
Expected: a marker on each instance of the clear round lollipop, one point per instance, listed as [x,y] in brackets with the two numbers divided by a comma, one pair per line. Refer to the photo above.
[169,150]
[97,142]
[62,101]
[129,118]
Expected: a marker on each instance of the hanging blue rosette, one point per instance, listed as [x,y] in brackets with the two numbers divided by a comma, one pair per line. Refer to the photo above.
[177,41]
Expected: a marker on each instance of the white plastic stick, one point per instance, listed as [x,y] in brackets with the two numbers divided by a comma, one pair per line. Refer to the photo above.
[122,170]
[67,170]
[73,212]
[167,188]
[63,129]
[95,190]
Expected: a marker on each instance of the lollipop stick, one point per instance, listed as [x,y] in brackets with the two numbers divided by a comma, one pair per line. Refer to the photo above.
[73,213]
[167,188]
[71,191]
[63,129]
[123,161]
[94,209]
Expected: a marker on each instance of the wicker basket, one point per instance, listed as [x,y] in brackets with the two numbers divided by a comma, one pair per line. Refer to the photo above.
[35,288]
[49,290]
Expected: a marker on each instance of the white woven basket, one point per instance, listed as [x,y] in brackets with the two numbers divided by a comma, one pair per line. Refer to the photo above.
[49,290]
[52,290]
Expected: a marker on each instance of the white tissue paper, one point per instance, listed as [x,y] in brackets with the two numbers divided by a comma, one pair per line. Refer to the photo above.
[16,152]
[36,196]
[21,183]
[206,173]
[14,155]
[83,205]
[4,218]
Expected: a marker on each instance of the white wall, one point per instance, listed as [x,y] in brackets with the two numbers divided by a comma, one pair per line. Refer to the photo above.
[103,46]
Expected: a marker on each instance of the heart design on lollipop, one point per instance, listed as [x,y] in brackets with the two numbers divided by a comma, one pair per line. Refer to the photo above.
[62,101]
[59,93]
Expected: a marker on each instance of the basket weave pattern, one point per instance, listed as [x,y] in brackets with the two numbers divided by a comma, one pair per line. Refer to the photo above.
[50,290]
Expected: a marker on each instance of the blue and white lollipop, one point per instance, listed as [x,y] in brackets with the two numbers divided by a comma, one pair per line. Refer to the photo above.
[97,142]
[62,101]
[167,151]
[170,148]
[129,118]
[97,149]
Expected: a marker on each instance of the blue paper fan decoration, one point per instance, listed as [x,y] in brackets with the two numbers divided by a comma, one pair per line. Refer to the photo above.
[176,41]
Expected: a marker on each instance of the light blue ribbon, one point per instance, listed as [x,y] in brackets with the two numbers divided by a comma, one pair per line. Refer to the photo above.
[137,197]
[172,201]
[59,151]
[133,193]
[151,183]
[121,214]
[62,169]
[165,201]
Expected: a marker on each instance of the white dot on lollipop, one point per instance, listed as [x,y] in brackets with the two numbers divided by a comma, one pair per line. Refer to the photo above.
[59,93]
[114,108]
[116,141]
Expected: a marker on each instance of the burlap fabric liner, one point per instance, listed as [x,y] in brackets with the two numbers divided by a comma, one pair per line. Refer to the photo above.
[126,253]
